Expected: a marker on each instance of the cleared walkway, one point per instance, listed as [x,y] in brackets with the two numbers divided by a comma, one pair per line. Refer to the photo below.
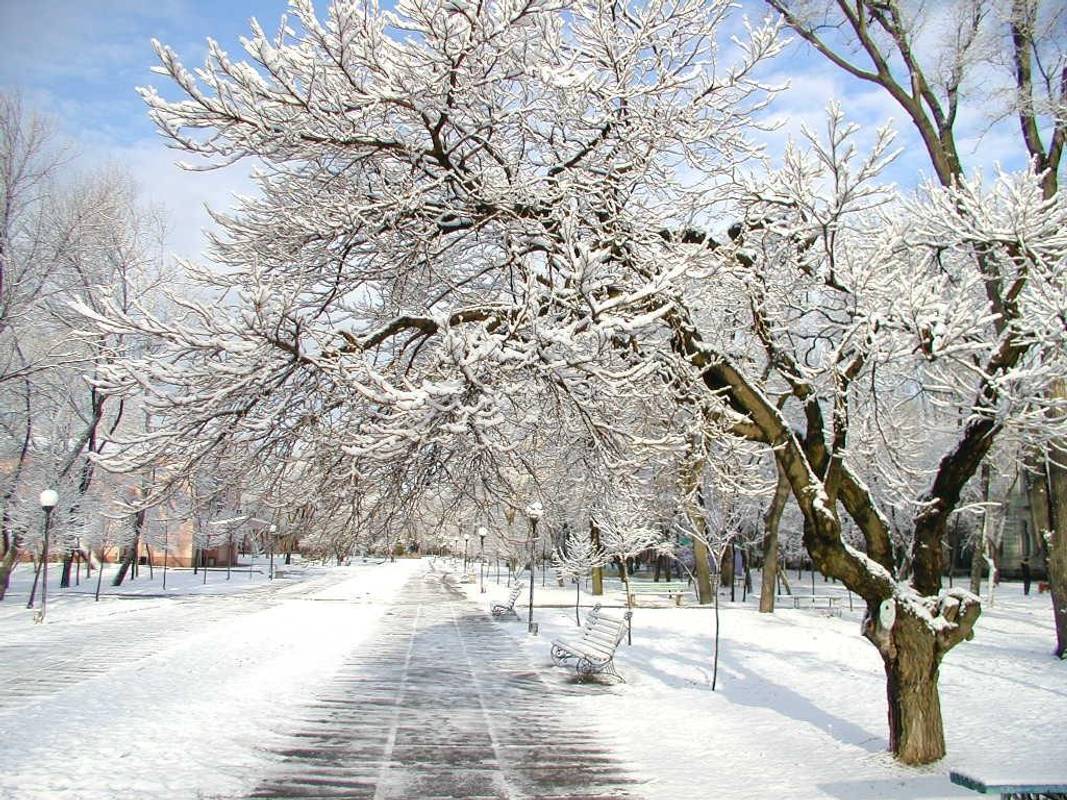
[440,705]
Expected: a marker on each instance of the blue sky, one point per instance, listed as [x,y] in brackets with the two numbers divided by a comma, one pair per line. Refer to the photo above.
[80,61]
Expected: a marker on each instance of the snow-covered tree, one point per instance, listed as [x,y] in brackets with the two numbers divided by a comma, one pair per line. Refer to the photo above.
[1004,60]
[63,236]
[468,210]
[576,558]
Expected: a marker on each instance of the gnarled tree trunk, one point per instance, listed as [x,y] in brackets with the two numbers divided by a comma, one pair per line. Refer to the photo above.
[911,651]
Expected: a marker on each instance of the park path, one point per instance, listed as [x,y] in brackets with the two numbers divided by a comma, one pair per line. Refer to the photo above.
[442,703]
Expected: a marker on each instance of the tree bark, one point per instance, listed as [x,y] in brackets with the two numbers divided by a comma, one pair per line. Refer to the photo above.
[977,560]
[598,572]
[916,731]
[982,542]
[11,540]
[703,573]
[131,554]
[1046,485]
[726,567]
[911,653]
[1055,541]
[7,565]
[770,543]
[64,575]
[701,552]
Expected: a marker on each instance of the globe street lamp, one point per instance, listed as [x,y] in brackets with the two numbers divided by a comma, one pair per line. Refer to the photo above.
[534,512]
[481,558]
[49,500]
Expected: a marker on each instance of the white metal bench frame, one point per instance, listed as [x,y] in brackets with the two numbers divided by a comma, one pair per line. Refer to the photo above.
[594,652]
[503,609]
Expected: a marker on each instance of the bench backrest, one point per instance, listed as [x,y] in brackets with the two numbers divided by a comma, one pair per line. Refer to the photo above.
[516,590]
[605,630]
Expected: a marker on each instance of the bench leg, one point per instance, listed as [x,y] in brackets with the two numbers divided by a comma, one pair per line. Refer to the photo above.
[586,668]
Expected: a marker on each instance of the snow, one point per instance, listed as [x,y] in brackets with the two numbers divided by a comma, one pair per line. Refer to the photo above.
[799,710]
[192,719]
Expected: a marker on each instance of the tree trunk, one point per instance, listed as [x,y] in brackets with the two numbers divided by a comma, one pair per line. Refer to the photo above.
[131,553]
[726,568]
[36,580]
[703,573]
[1056,539]
[1056,553]
[127,561]
[916,731]
[692,478]
[770,543]
[977,560]
[7,565]
[715,656]
[1047,492]
[64,575]
[982,544]
[784,578]
[598,572]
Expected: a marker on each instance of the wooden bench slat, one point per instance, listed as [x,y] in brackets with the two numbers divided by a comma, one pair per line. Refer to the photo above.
[607,639]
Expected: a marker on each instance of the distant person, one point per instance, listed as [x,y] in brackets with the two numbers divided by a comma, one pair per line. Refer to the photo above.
[1026,575]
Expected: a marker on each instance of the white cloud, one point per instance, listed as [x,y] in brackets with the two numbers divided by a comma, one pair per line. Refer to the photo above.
[183,195]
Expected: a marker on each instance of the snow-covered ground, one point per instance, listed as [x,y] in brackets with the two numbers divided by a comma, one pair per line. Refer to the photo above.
[799,709]
[193,717]
[185,693]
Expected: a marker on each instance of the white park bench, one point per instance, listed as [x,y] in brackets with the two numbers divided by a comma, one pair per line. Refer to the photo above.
[1016,788]
[808,600]
[502,609]
[670,589]
[594,651]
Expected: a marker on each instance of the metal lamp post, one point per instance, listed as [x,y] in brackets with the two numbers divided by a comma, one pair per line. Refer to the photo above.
[534,512]
[466,541]
[481,558]
[49,500]
[270,547]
